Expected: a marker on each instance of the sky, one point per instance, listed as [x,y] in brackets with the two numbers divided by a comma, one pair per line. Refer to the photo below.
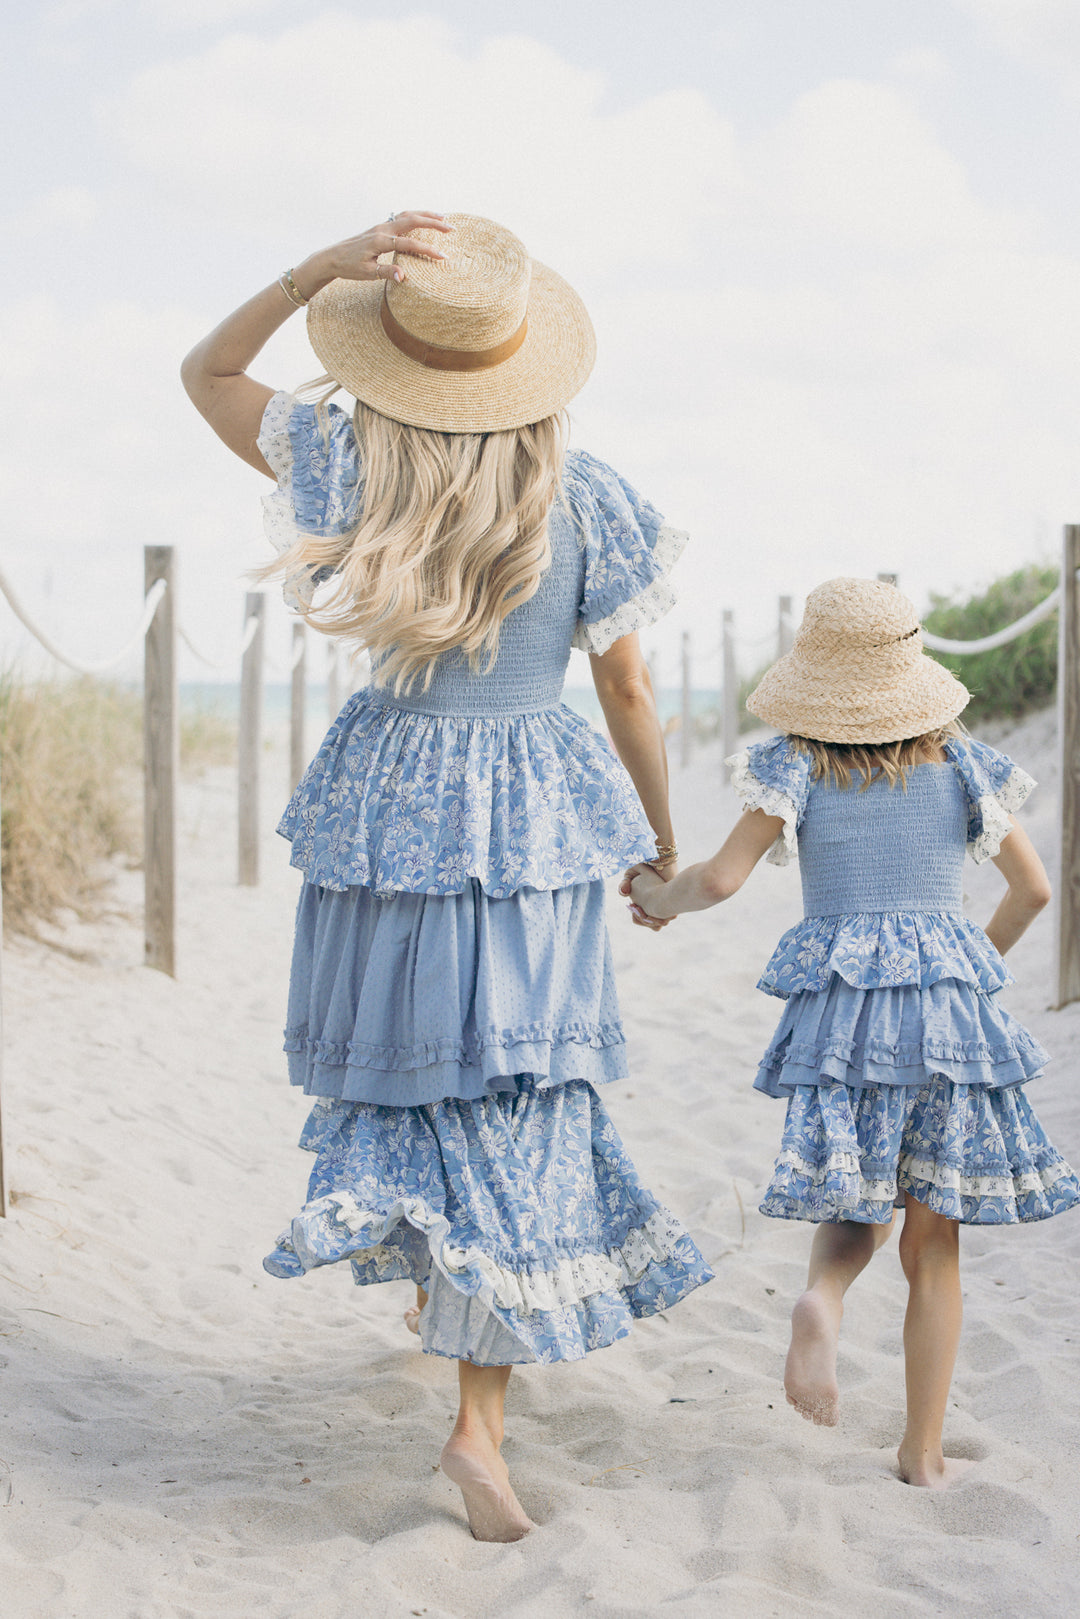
[831,249]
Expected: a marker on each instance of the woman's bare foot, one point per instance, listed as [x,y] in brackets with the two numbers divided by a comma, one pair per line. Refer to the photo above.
[412,1314]
[810,1372]
[933,1472]
[472,1460]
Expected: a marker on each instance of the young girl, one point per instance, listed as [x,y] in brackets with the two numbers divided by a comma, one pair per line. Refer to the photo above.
[902,1072]
[452,1001]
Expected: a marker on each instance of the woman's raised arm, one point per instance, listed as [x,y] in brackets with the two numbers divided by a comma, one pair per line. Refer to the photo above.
[215,372]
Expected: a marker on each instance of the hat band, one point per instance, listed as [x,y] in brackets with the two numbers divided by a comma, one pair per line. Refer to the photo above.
[437,359]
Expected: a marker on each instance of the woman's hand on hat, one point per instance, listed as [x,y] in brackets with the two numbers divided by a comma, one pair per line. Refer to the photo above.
[357,258]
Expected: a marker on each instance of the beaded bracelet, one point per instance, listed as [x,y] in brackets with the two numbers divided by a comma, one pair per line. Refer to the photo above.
[291,290]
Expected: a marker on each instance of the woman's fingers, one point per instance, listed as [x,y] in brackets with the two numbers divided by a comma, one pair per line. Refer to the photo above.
[403,223]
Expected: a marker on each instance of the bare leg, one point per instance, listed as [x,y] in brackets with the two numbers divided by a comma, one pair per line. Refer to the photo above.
[471,1455]
[930,1255]
[840,1251]
[412,1314]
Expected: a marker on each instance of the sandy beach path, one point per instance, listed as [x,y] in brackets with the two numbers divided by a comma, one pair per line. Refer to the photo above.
[182,1435]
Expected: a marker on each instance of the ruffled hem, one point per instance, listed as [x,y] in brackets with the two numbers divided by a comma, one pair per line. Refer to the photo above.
[970,1154]
[402,801]
[757,794]
[620,1254]
[647,607]
[883,949]
[899,1036]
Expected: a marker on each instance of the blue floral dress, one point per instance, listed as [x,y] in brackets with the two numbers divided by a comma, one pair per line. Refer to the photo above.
[452,1003]
[901,1069]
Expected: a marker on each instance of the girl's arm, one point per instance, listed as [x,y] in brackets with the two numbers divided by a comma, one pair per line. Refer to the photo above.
[214,372]
[1028,892]
[698,887]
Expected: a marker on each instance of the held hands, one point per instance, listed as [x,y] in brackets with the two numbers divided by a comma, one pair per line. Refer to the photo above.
[357,257]
[640,883]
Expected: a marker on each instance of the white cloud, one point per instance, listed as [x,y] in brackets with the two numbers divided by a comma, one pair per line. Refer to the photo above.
[1042,33]
[64,209]
[819,349]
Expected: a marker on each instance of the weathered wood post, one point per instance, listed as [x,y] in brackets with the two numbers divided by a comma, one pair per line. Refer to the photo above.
[251,671]
[888,578]
[1068,887]
[730,727]
[298,702]
[333,681]
[686,723]
[161,764]
[785,630]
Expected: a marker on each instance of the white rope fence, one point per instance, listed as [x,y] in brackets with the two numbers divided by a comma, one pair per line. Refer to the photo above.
[150,607]
[990,643]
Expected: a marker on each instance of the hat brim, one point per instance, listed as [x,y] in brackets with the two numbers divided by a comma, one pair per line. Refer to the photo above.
[817,702]
[550,367]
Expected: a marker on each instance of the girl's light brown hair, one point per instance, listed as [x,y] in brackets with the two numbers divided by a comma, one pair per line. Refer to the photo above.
[841,762]
[453,535]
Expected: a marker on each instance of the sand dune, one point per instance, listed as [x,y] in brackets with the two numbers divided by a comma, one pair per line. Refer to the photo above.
[184,1436]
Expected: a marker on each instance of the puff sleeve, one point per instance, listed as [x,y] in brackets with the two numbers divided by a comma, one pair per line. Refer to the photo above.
[629,552]
[774,776]
[319,481]
[994,788]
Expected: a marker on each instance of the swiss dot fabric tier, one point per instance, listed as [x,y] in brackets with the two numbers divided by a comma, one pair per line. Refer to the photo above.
[522,1215]
[900,1067]
[452,999]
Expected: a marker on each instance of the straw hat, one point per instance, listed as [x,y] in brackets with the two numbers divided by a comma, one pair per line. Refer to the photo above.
[483,340]
[857,671]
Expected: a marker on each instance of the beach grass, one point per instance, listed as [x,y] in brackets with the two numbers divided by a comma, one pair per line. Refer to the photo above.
[71,791]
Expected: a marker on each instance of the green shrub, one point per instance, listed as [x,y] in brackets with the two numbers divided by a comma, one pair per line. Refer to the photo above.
[1017,677]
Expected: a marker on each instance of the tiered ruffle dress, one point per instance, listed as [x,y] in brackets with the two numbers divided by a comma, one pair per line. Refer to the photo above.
[901,1069]
[452,1002]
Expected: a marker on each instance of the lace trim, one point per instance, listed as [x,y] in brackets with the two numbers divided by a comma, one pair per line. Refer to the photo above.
[279,511]
[643,609]
[756,795]
[945,1176]
[994,811]
[526,1292]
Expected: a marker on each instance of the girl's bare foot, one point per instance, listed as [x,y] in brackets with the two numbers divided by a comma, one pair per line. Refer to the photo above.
[933,1472]
[472,1460]
[412,1314]
[810,1373]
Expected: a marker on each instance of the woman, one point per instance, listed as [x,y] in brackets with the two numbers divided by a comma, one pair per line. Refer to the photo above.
[452,1002]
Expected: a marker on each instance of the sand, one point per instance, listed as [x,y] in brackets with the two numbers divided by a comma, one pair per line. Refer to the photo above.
[183,1435]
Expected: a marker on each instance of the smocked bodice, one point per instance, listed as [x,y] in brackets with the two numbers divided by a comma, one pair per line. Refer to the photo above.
[534,647]
[884,848]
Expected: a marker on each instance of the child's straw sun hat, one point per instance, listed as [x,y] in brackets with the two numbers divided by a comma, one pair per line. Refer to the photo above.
[483,340]
[857,671]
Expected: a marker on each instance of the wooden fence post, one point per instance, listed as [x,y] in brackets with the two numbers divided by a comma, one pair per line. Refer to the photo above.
[250,736]
[333,681]
[730,726]
[686,723]
[888,578]
[161,764]
[1068,887]
[785,632]
[298,702]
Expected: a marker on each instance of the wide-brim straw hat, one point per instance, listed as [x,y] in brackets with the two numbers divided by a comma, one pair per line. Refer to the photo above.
[483,340]
[857,671]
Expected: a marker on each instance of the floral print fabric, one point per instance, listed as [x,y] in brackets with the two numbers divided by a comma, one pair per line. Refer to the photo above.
[422,803]
[522,1214]
[969,1152]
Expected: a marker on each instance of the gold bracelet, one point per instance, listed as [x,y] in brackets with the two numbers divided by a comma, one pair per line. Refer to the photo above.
[291,290]
[667,852]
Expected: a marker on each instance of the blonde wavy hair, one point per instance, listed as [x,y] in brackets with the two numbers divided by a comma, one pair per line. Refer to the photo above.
[840,762]
[453,535]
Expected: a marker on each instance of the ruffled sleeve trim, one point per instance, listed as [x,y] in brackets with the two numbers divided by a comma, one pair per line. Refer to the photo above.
[785,797]
[629,552]
[640,611]
[995,788]
[318,483]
